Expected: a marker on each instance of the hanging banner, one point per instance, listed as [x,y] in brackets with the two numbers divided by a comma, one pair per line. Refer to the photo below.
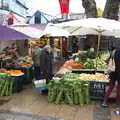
[10,18]
[64,6]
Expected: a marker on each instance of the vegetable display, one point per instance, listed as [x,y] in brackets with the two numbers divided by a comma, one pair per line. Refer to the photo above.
[69,90]
[85,60]
[91,61]
[11,72]
[6,85]
[93,77]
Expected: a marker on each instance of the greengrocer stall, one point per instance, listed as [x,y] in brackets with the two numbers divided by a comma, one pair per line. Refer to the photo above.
[10,60]
[10,80]
[83,64]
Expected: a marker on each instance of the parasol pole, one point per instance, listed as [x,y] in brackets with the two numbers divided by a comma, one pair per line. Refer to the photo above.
[98,46]
[99,31]
[98,43]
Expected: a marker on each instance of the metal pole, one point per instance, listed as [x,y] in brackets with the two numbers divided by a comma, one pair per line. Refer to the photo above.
[61,50]
[98,44]
[98,47]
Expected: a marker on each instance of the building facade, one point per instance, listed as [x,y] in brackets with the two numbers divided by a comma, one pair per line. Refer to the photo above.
[12,8]
[39,18]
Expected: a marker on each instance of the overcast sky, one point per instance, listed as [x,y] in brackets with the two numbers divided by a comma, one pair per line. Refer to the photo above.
[52,6]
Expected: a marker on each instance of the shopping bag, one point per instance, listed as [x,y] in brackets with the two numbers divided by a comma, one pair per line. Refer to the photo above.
[111,65]
[40,83]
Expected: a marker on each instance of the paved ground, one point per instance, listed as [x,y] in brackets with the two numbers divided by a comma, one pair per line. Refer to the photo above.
[32,101]
[12,115]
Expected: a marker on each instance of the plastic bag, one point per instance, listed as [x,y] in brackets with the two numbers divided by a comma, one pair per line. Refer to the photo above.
[111,65]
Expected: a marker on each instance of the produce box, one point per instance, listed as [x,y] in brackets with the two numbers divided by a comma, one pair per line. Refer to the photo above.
[18,83]
[96,81]
[28,74]
[97,90]
[28,71]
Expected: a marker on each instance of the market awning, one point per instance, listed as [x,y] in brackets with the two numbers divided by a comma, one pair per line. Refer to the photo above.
[52,30]
[7,33]
[55,31]
[29,30]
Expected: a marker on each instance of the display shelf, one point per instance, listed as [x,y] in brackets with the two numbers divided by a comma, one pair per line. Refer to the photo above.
[88,70]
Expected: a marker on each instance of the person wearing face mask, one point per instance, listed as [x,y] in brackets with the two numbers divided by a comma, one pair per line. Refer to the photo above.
[46,63]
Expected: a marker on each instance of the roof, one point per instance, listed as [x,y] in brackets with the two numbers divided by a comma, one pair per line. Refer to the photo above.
[42,14]
[30,30]
[23,5]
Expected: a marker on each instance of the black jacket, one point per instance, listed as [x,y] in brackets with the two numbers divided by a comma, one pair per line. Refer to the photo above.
[116,75]
[46,62]
[117,60]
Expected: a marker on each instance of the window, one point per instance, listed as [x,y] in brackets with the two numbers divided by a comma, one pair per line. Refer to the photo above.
[37,19]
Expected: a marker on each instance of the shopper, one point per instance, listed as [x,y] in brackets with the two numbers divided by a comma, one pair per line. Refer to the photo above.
[114,78]
[36,60]
[46,63]
[75,46]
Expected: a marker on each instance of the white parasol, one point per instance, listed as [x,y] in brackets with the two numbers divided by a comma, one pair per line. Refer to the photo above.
[54,31]
[91,25]
[98,26]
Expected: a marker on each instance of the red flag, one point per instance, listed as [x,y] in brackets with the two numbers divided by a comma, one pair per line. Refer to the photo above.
[64,6]
[11,18]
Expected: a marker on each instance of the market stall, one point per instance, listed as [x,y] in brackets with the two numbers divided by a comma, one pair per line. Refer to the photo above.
[83,64]
[10,59]
[10,80]
[74,88]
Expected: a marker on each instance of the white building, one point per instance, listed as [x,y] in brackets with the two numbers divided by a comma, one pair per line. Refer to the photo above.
[39,18]
[17,7]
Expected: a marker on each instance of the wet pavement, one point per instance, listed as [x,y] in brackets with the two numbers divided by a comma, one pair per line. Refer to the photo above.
[33,102]
[12,115]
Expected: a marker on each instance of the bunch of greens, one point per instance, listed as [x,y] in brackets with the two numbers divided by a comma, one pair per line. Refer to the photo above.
[6,85]
[69,90]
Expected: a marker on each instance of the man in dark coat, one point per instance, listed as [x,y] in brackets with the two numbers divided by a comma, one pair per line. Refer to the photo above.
[46,63]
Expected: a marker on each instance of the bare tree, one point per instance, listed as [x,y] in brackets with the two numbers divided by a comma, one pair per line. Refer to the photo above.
[90,8]
[111,9]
